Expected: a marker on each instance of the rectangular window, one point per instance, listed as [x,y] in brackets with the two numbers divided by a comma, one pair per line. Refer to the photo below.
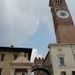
[23,73]
[61,59]
[1,57]
[73,72]
[0,71]
[63,73]
[25,55]
[15,56]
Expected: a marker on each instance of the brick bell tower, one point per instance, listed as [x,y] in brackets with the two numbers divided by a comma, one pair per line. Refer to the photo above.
[63,23]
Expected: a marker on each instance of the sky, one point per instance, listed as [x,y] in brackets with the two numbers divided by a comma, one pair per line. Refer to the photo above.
[28,23]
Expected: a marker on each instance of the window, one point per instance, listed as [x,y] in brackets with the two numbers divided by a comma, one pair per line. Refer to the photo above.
[25,55]
[63,73]
[15,56]
[23,73]
[0,71]
[58,2]
[73,72]
[61,60]
[1,57]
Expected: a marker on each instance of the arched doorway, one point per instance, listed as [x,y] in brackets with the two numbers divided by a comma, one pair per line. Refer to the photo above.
[42,69]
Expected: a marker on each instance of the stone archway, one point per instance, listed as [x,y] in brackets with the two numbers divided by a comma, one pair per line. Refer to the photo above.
[42,69]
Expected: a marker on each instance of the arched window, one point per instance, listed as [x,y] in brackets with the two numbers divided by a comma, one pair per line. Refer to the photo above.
[58,2]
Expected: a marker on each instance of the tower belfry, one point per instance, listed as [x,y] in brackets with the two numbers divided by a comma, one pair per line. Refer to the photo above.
[63,23]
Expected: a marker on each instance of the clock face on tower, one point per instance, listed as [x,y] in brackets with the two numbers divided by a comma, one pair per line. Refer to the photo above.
[62,14]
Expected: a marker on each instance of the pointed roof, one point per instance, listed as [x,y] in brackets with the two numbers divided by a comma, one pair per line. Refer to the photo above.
[21,59]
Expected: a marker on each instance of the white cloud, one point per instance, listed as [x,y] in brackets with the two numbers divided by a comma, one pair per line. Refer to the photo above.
[19,19]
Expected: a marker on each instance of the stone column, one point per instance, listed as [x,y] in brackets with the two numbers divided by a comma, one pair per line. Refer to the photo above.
[12,72]
[29,72]
[2,72]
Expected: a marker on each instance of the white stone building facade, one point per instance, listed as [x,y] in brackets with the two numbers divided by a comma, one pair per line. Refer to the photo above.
[62,58]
